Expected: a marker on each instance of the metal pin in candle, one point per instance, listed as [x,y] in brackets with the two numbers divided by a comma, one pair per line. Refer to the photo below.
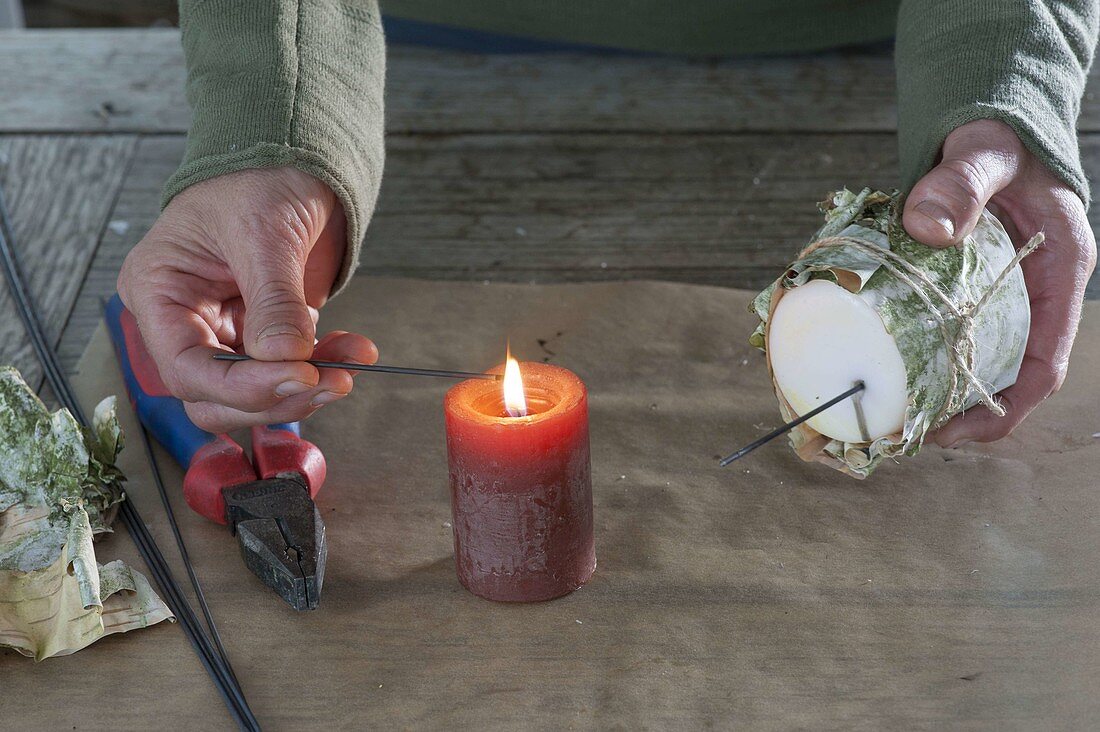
[521,483]
[854,393]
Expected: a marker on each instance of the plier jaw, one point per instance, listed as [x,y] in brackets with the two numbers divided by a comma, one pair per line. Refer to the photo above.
[281,536]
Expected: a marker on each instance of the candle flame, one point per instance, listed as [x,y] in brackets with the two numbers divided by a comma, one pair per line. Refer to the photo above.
[515,403]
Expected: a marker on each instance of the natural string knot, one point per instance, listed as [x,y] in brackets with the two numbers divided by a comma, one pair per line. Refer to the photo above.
[961,346]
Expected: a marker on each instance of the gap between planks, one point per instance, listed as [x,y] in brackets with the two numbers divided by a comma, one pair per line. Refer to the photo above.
[60,191]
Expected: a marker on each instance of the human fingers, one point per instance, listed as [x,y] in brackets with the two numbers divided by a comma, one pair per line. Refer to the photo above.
[979,160]
[181,343]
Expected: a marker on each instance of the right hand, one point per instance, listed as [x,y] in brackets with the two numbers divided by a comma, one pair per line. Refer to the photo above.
[984,162]
[243,262]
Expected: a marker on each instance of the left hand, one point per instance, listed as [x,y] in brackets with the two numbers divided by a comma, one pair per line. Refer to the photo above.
[984,163]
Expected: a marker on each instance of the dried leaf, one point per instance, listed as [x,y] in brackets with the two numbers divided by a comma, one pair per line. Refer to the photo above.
[57,485]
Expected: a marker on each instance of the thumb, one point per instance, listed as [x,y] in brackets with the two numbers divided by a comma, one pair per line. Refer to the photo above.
[979,159]
[278,325]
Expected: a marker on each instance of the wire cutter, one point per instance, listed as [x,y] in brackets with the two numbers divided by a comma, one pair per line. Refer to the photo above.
[267,502]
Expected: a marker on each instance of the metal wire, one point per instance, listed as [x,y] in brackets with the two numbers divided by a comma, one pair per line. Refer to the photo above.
[443,373]
[184,554]
[859,386]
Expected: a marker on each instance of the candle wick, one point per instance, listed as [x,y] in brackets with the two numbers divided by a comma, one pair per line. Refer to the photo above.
[859,386]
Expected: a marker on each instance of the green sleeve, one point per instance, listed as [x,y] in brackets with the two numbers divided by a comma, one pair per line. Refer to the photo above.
[1023,62]
[287,82]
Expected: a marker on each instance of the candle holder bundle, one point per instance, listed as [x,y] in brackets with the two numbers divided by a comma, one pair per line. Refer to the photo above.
[930,332]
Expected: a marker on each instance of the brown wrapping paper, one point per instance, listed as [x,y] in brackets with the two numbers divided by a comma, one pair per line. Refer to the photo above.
[958,586]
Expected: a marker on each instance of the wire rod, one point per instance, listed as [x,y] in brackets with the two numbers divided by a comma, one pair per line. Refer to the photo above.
[859,386]
[184,554]
[443,373]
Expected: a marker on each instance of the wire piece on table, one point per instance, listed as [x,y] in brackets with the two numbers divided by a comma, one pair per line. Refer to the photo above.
[184,554]
[859,386]
[217,666]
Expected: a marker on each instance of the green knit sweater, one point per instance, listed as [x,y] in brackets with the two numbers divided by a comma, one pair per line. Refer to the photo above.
[300,82]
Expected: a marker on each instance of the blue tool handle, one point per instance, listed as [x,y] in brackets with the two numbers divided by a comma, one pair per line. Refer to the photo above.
[161,413]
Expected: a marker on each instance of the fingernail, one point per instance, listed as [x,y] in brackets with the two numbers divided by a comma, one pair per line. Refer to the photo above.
[325,397]
[290,388]
[279,329]
[939,214]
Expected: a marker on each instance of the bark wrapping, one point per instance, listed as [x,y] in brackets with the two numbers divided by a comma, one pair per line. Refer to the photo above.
[962,274]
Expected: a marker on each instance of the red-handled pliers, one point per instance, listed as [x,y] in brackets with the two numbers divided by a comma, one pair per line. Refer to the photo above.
[267,502]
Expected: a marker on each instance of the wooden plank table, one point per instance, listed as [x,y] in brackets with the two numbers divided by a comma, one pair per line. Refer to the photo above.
[506,168]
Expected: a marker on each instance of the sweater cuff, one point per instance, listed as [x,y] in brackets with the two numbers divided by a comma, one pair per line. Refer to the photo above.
[287,83]
[1021,63]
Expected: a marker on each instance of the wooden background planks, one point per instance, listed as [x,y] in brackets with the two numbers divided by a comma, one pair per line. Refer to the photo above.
[517,168]
[130,81]
[60,191]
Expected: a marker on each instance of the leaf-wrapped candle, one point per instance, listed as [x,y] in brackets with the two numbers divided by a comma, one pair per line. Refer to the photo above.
[59,486]
[931,332]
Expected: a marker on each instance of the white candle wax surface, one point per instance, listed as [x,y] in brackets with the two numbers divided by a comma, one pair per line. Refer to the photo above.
[822,339]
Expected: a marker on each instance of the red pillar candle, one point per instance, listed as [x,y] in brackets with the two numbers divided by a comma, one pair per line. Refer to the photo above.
[521,486]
